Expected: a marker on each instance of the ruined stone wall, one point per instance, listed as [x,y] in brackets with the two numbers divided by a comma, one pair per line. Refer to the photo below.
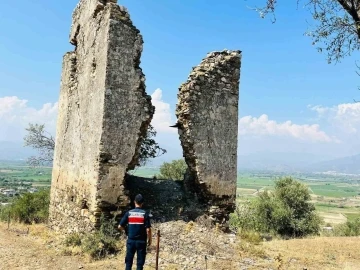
[103,112]
[207,113]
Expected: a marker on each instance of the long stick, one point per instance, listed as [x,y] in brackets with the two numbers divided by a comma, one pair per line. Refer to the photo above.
[9,220]
[157,250]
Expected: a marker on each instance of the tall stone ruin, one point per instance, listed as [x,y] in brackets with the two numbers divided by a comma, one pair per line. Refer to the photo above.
[103,113]
[207,113]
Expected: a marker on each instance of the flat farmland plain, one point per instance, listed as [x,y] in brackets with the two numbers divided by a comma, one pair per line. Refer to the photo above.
[336,197]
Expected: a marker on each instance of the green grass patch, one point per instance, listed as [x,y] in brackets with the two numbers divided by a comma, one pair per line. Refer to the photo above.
[326,205]
[249,186]
[352,216]
[145,172]
[335,192]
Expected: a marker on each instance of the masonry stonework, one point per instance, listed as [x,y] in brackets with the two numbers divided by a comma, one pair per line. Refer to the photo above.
[207,113]
[104,112]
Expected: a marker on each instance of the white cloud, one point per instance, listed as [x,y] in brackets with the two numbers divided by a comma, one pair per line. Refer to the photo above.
[255,133]
[15,116]
[249,125]
[162,119]
[345,117]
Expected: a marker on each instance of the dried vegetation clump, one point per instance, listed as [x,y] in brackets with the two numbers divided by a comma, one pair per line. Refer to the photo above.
[182,246]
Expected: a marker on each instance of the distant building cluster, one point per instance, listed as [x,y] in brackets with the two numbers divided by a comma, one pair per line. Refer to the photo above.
[13,192]
[9,192]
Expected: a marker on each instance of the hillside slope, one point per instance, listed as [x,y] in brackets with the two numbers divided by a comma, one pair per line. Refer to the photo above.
[183,246]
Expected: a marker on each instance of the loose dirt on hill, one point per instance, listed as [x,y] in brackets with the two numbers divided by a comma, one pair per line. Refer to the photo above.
[21,251]
[183,246]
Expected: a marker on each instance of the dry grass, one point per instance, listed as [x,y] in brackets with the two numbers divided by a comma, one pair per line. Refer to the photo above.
[40,231]
[317,253]
[321,253]
[249,250]
[189,227]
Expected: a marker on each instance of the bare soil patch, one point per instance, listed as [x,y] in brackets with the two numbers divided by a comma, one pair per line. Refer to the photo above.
[183,246]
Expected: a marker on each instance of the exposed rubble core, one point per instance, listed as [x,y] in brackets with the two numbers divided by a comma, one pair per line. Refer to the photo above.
[207,113]
[104,112]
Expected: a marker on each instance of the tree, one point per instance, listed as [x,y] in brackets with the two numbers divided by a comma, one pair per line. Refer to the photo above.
[149,147]
[293,214]
[44,142]
[174,170]
[285,211]
[29,208]
[337,28]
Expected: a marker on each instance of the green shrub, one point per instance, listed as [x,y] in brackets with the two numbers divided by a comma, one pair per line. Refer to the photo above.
[73,240]
[286,211]
[98,245]
[244,218]
[4,213]
[350,228]
[29,208]
[174,170]
[108,227]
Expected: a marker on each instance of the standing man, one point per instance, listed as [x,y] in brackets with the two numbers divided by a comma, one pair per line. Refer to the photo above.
[139,233]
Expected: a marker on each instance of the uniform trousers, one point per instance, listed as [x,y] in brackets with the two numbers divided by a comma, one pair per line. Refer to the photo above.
[138,247]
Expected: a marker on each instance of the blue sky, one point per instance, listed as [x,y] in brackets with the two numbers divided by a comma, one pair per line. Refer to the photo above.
[282,73]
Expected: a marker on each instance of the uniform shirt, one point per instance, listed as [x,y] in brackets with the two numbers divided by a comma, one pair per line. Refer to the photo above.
[138,221]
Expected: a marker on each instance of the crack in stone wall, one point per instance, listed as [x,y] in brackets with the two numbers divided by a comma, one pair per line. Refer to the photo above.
[104,113]
[207,113]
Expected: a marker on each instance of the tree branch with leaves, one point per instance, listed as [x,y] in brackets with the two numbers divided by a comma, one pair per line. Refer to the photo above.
[149,147]
[39,139]
[337,28]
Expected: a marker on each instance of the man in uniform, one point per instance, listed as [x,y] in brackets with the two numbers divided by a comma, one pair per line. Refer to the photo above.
[138,225]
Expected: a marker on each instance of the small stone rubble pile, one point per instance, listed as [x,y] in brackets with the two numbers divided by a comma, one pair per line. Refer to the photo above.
[192,246]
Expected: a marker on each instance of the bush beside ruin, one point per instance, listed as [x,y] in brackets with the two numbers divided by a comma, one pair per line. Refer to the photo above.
[286,212]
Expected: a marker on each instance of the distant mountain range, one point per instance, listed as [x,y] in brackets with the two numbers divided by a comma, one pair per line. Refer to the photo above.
[349,164]
[290,162]
[14,151]
[269,161]
[277,161]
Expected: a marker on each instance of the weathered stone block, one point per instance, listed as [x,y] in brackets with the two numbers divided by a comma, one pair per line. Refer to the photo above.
[207,113]
[103,113]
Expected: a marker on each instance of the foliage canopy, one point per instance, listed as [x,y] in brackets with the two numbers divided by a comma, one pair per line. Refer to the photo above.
[286,211]
[29,208]
[173,170]
[149,147]
[42,141]
[337,25]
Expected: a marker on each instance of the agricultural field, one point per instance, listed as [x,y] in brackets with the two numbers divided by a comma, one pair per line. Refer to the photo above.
[17,178]
[146,172]
[336,198]
[12,174]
